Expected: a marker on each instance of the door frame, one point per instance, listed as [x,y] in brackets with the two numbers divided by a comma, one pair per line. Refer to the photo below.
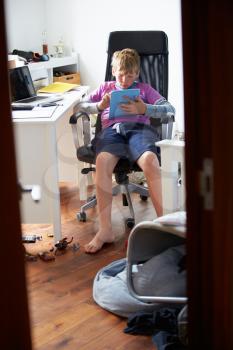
[208,95]
[15,324]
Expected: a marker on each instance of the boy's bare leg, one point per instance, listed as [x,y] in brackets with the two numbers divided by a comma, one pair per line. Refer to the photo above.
[105,163]
[149,163]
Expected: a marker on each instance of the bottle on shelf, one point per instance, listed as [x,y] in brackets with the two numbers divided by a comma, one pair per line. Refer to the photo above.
[60,47]
[44,43]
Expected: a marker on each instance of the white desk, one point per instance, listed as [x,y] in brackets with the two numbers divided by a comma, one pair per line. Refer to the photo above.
[46,155]
[173,175]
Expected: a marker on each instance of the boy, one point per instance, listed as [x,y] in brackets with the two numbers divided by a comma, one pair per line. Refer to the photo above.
[128,136]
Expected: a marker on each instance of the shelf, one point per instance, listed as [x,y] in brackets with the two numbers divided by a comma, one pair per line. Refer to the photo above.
[54,63]
[68,64]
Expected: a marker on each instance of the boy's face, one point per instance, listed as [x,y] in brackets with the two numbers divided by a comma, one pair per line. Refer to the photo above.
[124,79]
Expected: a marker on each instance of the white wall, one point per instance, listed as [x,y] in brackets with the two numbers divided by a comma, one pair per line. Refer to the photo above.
[25,21]
[84,26]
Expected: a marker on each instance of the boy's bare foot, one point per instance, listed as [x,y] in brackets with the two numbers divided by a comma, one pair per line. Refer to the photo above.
[98,241]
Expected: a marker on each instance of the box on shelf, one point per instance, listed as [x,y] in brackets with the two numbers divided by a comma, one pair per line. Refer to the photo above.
[14,61]
[73,78]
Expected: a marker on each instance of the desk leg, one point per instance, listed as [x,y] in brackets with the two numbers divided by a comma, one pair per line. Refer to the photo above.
[37,163]
[52,182]
[82,178]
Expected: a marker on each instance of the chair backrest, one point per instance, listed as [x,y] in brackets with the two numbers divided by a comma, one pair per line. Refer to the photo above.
[152,47]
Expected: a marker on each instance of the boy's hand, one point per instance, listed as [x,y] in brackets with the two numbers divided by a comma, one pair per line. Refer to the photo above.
[104,103]
[134,107]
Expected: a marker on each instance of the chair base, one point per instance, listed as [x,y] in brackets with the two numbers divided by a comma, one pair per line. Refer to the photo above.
[125,189]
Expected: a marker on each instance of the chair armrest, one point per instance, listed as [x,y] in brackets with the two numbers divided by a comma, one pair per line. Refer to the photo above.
[170,118]
[80,131]
[164,125]
[167,126]
[146,240]
[74,118]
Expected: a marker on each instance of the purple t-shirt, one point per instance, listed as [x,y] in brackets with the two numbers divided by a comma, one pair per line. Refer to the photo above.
[147,94]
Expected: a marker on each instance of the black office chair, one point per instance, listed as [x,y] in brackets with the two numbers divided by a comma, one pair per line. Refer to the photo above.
[152,47]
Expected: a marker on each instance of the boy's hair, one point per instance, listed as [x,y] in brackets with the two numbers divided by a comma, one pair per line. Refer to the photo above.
[126,60]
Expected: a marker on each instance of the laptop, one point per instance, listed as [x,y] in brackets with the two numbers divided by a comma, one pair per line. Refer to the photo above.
[23,91]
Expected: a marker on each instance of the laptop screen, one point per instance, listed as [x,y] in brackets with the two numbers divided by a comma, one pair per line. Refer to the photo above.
[21,83]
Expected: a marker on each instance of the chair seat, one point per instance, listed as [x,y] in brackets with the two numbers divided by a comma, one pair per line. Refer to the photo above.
[86,154]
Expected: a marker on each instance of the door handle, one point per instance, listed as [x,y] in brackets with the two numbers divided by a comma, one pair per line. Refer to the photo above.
[33,189]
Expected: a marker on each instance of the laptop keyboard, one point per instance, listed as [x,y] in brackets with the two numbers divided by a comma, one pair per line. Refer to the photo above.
[32,99]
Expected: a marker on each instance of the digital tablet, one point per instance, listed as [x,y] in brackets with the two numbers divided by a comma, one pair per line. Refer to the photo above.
[117,98]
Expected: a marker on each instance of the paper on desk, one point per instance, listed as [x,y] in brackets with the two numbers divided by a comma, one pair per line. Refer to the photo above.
[58,87]
[36,112]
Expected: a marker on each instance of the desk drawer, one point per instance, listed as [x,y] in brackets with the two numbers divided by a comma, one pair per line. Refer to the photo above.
[73,78]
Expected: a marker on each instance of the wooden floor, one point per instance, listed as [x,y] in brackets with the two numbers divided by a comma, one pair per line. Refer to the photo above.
[62,310]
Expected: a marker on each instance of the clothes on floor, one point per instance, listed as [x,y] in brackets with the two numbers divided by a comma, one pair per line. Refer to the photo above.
[160,275]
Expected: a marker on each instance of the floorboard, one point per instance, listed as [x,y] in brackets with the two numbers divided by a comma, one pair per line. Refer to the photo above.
[62,311]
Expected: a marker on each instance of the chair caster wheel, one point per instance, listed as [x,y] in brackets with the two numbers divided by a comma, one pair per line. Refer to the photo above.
[82,217]
[130,222]
[143,198]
